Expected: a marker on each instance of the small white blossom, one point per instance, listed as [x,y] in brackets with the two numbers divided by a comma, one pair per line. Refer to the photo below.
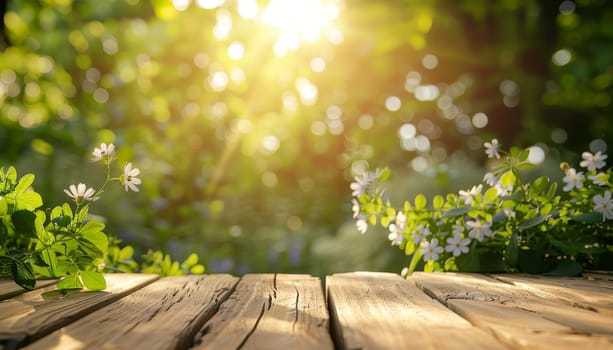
[593,161]
[490,179]
[468,196]
[431,250]
[104,152]
[397,229]
[457,245]
[491,149]
[420,234]
[81,193]
[129,178]
[600,179]
[458,230]
[479,229]
[355,208]
[503,191]
[362,225]
[364,181]
[509,213]
[604,205]
[573,179]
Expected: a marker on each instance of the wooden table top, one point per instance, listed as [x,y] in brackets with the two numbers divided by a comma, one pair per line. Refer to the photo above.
[357,310]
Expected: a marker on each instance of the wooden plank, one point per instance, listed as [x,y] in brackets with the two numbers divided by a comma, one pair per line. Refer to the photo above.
[163,315]
[588,294]
[270,311]
[384,311]
[34,314]
[9,289]
[523,329]
[531,316]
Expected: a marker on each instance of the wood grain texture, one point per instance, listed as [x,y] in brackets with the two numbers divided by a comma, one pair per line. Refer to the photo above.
[34,314]
[270,311]
[522,318]
[9,289]
[596,295]
[162,315]
[384,311]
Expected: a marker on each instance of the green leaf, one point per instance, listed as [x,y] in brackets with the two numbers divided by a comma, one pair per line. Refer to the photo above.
[420,201]
[385,174]
[508,179]
[23,274]
[91,227]
[590,218]
[4,207]
[491,194]
[191,260]
[24,183]
[29,201]
[438,201]
[409,247]
[90,248]
[532,222]
[566,268]
[197,269]
[126,253]
[456,211]
[414,261]
[11,174]
[70,282]
[539,185]
[93,280]
[23,220]
[45,237]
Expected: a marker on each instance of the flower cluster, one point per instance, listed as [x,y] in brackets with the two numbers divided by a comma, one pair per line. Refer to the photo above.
[504,217]
[80,193]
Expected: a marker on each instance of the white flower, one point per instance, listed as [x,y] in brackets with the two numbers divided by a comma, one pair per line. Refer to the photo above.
[421,233]
[397,230]
[129,178]
[491,149]
[479,229]
[503,191]
[457,245]
[490,179]
[573,179]
[593,161]
[431,250]
[104,152]
[355,208]
[468,196]
[509,213]
[362,225]
[361,184]
[81,193]
[604,205]
[600,179]
[457,230]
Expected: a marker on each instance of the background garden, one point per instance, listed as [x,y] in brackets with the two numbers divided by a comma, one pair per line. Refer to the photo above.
[248,119]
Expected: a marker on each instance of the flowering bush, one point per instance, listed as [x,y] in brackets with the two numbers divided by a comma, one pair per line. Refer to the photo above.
[64,242]
[503,224]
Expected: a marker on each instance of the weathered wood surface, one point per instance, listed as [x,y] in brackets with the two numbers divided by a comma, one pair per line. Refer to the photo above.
[384,311]
[270,312]
[353,310]
[9,289]
[33,314]
[153,317]
[521,316]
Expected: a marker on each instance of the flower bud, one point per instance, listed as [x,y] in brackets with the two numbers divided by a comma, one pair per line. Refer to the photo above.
[564,166]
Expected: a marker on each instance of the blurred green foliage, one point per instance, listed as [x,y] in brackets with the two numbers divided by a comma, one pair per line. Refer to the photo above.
[247,138]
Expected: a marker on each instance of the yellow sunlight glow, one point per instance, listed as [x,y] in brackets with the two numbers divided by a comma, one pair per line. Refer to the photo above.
[303,19]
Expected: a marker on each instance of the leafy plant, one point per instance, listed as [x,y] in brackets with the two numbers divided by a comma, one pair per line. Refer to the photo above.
[505,223]
[64,242]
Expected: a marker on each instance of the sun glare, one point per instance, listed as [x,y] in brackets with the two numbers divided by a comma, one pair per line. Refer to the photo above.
[305,19]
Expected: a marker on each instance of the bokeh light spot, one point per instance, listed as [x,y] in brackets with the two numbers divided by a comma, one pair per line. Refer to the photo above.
[536,155]
[480,120]
[366,121]
[561,57]
[598,145]
[318,64]
[236,50]
[559,135]
[407,131]
[429,61]
[393,103]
